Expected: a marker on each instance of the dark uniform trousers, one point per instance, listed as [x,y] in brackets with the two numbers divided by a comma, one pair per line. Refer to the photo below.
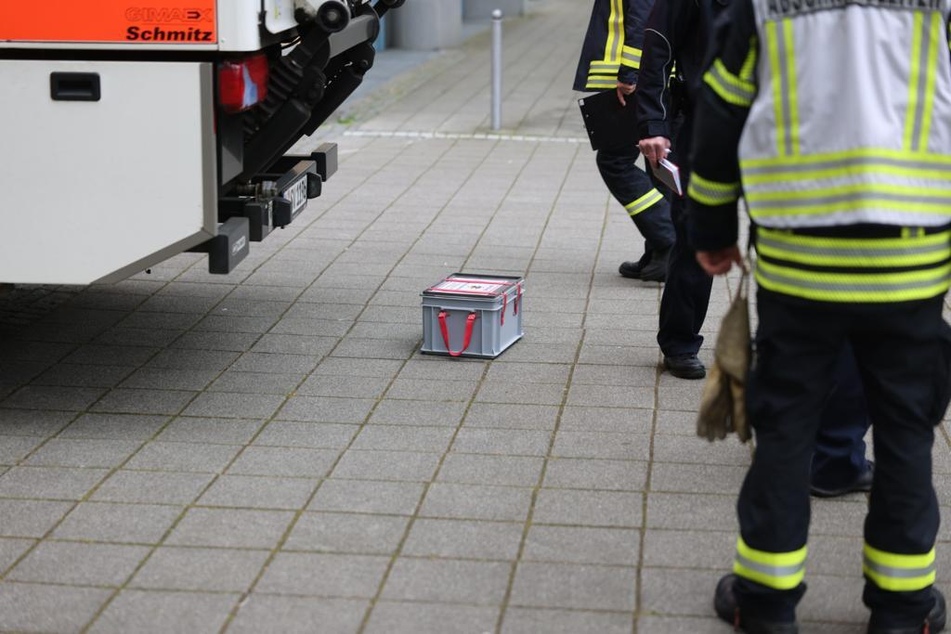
[628,183]
[840,446]
[683,304]
[901,353]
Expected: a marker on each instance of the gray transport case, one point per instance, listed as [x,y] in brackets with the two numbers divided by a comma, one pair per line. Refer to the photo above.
[471,315]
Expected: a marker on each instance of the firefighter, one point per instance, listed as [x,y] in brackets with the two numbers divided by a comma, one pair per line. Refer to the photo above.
[676,40]
[833,119]
[610,59]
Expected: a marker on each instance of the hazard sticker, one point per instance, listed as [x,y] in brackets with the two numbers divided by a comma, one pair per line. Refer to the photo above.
[151,22]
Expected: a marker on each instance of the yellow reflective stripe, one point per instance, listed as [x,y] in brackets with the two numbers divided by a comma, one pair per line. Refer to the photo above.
[930,78]
[644,202]
[877,253]
[868,171]
[871,287]
[615,41]
[603,67]
[899,573]
[857,198]
[600,83]
[782,571]
[631,56]
[772,49]
[902,156]
[749,64]
[914,84]
[792,93]
[728,86]
[712,193]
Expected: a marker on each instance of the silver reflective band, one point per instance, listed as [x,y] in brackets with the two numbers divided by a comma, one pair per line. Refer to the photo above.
[851,285]
[898,573]
[844,163]
[867,197]
[772,571]
[856,251]
[725,83]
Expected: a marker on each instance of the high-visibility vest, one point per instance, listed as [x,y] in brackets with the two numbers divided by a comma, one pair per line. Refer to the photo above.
[819,147]
[848,127]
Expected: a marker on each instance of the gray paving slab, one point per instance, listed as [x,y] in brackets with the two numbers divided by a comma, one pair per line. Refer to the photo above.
[519,620]
[123,427]
[13,449]
[470,501]
[368,496]
[261,492]
[464,539]
[523,471]
[411,466]
[200,569]
[156,612]
[230,528]
[82,452]
[324,575]
[117,523]
[50,483]
[51,608]
[588,508]
[448,581]
[80,564]
[582,586]
[347,533]
[12,550]
[297,615]
[22,422]
[419,618]
[596,474]
[183,457]
[152,487]
[283,462]
[582,545]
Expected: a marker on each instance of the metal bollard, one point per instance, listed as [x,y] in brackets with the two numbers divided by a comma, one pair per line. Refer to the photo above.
[496,69]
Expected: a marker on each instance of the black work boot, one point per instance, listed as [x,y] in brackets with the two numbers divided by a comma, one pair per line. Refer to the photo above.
[933,624]
[656,269]
[724,602]
[633,270]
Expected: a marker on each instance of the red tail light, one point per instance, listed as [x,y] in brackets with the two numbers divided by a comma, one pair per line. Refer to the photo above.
[242,83]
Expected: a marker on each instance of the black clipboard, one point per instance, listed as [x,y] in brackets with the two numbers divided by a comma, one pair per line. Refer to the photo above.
[610,125]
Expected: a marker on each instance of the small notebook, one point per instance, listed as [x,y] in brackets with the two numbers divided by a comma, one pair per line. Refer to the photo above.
[609,124]
[669,174]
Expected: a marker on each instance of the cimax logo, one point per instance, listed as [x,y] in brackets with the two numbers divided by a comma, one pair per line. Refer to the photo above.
[164,15]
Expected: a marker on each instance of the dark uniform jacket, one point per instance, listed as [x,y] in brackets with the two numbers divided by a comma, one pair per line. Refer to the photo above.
[674,54]
[612,44]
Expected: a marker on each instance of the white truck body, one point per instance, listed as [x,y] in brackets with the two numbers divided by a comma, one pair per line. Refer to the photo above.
[118,149]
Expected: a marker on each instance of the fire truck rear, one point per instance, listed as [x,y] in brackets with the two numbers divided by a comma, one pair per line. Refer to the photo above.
[134,130]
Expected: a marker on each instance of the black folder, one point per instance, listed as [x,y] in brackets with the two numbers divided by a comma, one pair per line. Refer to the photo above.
[610,125]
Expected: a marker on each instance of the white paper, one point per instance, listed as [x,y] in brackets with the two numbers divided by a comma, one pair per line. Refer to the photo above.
[668,174]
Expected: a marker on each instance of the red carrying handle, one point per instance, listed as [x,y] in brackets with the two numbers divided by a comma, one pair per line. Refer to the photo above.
[467,337]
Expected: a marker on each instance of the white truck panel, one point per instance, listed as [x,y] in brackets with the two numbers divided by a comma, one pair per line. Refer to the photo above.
[150,208]
[239,27]
[279,15]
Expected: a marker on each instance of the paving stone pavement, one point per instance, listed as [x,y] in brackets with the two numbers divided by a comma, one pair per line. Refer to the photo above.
[268,451]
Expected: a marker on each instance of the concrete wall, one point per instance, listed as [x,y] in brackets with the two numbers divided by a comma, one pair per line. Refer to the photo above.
[482,9]
[425,25]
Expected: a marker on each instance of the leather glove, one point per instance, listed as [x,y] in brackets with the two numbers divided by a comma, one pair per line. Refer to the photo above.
[723,404]
[716,406]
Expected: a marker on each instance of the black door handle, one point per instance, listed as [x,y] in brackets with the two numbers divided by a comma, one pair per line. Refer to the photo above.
[75,86]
